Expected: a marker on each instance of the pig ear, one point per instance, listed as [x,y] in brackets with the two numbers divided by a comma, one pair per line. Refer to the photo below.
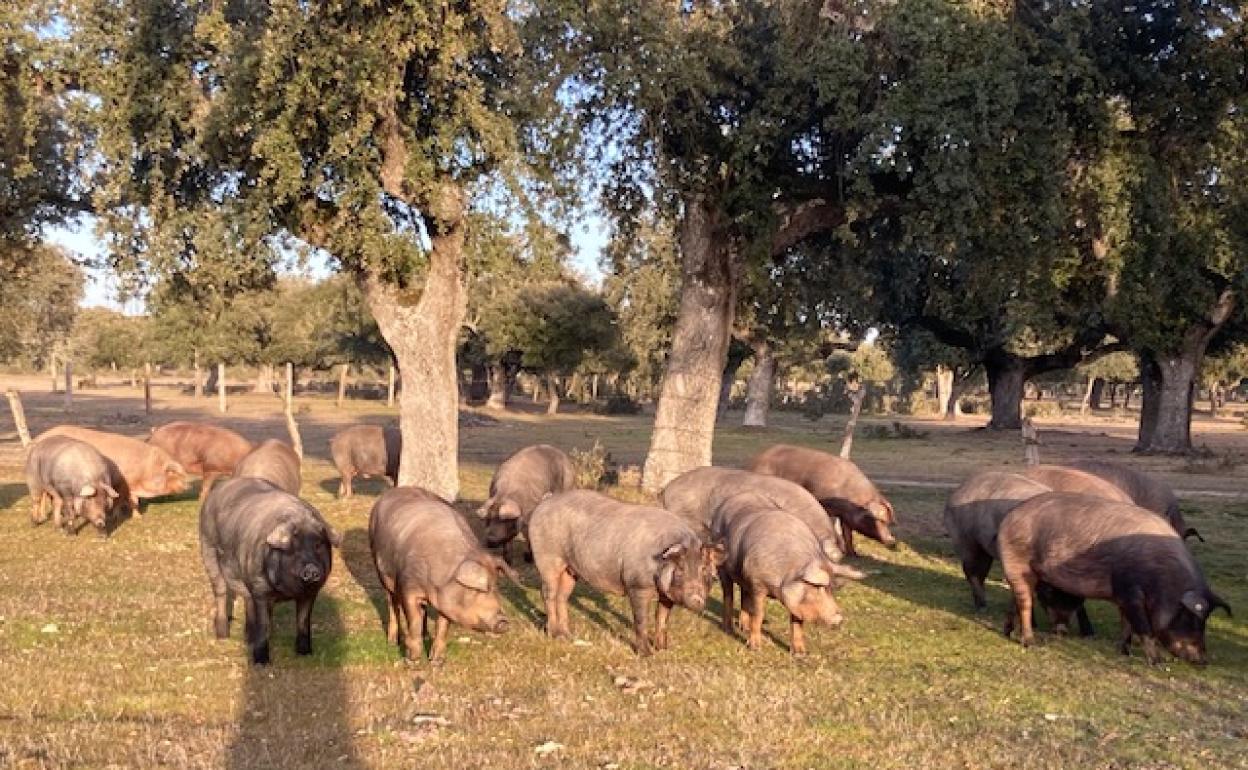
[792,593]
[847,572]
[335,538]
[86,491]
[1191,532]
[714,553]
[509,509]
[1197,603]
[817,575]
[667,576]
[1216,601]
[472,574]
[831,550]
[280,537]
[484,510]
[880,510]
[506,570]
[112,493]
[672,552]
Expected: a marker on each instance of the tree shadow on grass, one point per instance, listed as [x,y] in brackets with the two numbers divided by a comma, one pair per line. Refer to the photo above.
[357,554]
[296,712]
[10,494]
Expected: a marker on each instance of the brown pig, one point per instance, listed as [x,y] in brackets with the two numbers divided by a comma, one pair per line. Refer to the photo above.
[1061,479]
[426,554]
[366,451]
[203,449]
[521,482]
[145,470]
[1097,549]
[696,495]
[273,461]
[74,476]
[643,552]
[771,553]
[1144,490]
[839,486]
[973,515]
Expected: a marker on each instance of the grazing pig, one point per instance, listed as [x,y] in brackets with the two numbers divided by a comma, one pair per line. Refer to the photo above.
[426,554]
[839,486]
[366,451]
[274,462]
[71,473]
[203,449]
[1076,482]
[696,495]
[1097,549]
[521,482]
[771,553]
[145,470]
[973,515]
[1144,490]
[619,548]
[267,546]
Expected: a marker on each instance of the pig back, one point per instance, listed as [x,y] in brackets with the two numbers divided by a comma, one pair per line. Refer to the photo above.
[201,447]
[531,473]
[417,537]
[695,496]
[766,545]
[824,475]
[274,462]
[371,450]
[239,514]
[66,465]
[974,511]
[1144,490]
[148,471]
[1078,542]
[611,544]
[1061,479]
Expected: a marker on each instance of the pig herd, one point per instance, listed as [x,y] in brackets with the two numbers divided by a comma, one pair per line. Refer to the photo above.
[779,528]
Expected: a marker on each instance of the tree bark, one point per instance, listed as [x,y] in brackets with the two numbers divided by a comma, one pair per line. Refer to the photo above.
[1006,377]
[552,388]
[1098,393]
[390,385]
[944,390]
[735,357]
[69,385]
[497,376]
[684,421]
[758,390]
[421,325]
[856,396]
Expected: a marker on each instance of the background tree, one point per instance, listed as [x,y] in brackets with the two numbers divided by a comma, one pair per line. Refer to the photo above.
[39,294]
[917,353]
[106,339]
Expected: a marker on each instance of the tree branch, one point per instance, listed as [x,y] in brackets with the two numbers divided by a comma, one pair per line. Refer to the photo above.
[804,220]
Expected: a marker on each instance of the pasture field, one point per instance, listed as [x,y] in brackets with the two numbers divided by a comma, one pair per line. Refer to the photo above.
[106,658]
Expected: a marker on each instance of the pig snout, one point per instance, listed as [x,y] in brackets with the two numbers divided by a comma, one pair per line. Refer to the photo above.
[311,573]
[886,535]
[695,600]
[1188,651]
[495,625]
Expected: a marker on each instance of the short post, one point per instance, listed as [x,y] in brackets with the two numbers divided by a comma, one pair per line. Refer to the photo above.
[1031,442]
[221,387]
[69,385]
[52,365]
[19,416]
[147,387]
[342,383]
[857,392]
[292,427]
[390,388]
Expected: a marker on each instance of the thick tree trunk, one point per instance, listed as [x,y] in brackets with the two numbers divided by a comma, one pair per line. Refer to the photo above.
[264,379]
[1166,417]
[1006,377]
[1098,393]
[552,387]
[758,389]
[497,375]
[421,325]
[211,385]
[944,389]
[737,354]
[953,410]
[684,421]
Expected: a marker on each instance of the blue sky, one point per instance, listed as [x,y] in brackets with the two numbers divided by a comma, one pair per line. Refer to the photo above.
[589,238]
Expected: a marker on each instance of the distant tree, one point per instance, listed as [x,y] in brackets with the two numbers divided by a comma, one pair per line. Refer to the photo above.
[917,352]
[106,339]
[39,295]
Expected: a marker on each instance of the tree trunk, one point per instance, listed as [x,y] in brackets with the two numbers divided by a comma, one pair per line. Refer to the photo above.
[1216,394]
[1006,378]
[199,380]
[856,396]
[684,421]
[497,376]
[52,367]
[735,357]
[552,387]
[1166,417]
[264,379]
[953,410]
[1098,392]
[758,390]
[1087,396]
[211,385]
[69,385]
[421,325]
[944,389]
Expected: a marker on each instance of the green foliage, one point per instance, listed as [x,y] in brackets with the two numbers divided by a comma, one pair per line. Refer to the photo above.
[104,338]
[39,292]
[867,363]
[642,285]
[1115,367]
[554,324]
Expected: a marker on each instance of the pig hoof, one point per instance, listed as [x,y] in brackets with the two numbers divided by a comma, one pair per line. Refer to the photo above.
[261,656]
[303,645]
[438,662]
[753,643]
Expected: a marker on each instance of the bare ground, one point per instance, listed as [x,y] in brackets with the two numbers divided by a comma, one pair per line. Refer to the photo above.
[106,660]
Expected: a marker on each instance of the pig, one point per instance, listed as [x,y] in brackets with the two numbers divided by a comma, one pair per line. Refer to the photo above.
[973,514]
[1143,490]
[203,449]
[1099,549]
[73,474]
[771,553]
[839,486]
[274,462]
[1061,479]
[366,451]
[695,496]
[426,554]
[620,548]
[265,545]
[521,482]
[143,471]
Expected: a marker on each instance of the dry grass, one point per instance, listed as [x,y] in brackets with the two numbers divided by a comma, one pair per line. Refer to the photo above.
[131,678]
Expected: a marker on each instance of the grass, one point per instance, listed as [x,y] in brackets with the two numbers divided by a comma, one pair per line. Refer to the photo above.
[130,677]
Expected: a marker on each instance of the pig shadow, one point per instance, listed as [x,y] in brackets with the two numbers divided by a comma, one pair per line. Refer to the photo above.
[10,494]
[357,554]
[368,488]
[295,712]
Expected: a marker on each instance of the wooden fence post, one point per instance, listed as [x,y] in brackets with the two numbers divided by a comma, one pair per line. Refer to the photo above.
[292,427]
[221,387]
[69,386]
[1031,442]
[19,416]
[342,383]
[857,392]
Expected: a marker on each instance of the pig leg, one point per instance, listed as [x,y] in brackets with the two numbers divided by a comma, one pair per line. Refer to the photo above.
[303,622]
[344,484]
[849,539]
[797,636]
[1024,601]
[640,600]
[756,602]
[1136,621]
[566,583]
[392,617]
[976,566]
[206,484]
[257,631]
[725,585]
[661,613]
[37,499]
[57,503]
[220,592]
[747,601]
[414,632]
[437,654]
